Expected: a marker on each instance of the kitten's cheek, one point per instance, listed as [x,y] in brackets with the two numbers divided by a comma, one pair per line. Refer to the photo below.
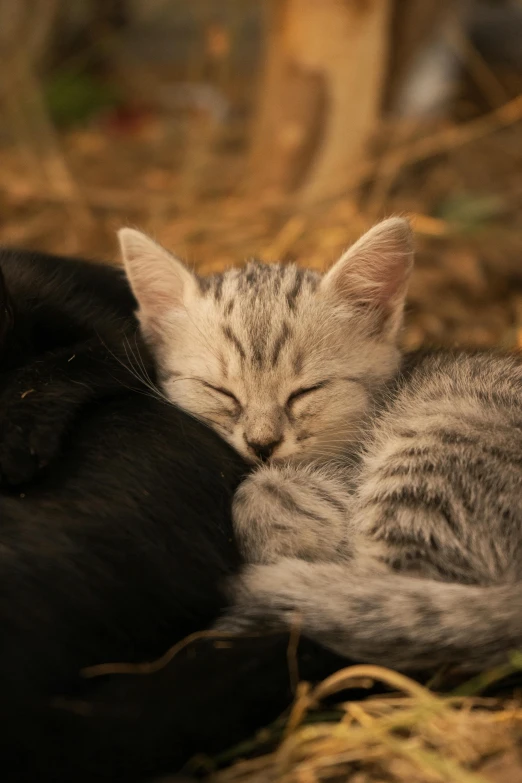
[237,442]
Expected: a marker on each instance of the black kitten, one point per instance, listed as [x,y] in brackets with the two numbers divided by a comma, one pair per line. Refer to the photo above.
[115,543]
[121,545]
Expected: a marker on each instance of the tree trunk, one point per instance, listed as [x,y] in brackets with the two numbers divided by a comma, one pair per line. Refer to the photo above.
[28,25]
[320,96]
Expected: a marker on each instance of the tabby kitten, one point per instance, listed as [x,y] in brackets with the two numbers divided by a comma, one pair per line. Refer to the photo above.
[410,554]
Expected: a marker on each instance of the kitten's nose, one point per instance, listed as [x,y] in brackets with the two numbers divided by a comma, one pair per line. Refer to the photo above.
[263,450]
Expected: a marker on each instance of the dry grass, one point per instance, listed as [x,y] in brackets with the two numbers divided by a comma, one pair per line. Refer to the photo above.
[413,735]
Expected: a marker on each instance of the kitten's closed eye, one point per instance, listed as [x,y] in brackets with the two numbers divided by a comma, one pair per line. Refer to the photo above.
[223,393]
[300,393]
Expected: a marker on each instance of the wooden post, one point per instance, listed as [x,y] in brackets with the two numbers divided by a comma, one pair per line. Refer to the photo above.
[320,94]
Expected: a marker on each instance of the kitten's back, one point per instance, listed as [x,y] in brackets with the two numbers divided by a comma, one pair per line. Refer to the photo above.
[448,448]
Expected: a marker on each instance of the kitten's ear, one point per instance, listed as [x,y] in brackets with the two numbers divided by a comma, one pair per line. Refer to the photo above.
[373,274]
[158,280]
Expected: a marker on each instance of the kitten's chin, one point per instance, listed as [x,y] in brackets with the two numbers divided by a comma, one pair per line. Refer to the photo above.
[317,454]
[290,457]
[275,461]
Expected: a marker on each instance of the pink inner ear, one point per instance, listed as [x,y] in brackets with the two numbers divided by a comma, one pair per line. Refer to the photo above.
[158,284]
[375,270]
[368,281]
[393,281]
[156,299]
[158,280]
[373,275]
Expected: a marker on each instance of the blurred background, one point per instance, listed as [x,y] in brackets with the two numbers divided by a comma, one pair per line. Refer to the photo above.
[280,129]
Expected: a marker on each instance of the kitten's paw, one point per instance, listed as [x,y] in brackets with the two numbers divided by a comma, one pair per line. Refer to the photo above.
[293,512]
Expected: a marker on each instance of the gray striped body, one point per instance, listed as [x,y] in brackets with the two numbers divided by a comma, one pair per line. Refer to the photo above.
[427,567]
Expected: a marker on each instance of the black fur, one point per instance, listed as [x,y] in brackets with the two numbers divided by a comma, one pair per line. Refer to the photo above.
[122,545]
[115,543]
[64,330]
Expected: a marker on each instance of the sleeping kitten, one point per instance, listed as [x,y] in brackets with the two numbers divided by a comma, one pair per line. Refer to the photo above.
[421,564]
[280,361]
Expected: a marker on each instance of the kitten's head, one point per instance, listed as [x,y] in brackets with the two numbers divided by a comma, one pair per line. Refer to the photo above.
[279,360]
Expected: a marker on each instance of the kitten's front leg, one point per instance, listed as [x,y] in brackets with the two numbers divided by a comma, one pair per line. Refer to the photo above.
[294,511]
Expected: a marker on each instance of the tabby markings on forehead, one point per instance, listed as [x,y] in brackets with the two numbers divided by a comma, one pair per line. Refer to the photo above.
[297,362]
[218,288]
[252,277]
[234,340]
[211,285]
[257,354]
[223,365]
[205,283]
[278,279]
[291,296]
[283,338]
